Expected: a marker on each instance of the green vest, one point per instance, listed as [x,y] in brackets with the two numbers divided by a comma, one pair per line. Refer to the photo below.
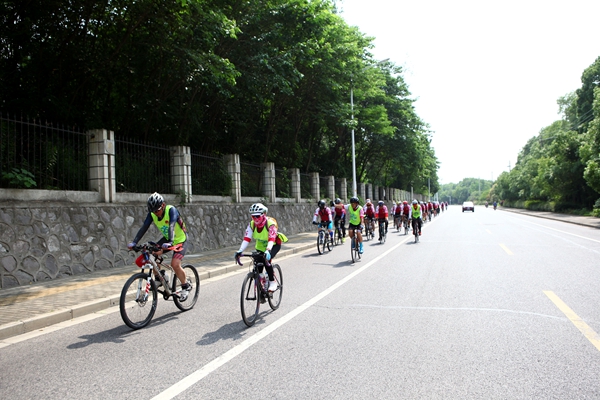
[163,227]
[354,215]
[262,237]
[416,213]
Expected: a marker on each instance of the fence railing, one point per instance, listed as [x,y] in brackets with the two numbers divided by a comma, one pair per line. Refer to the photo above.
[142,167]
[35,154]
[210,176]
[251,179]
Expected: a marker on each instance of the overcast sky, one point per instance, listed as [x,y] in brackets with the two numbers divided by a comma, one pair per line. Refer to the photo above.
[486,74]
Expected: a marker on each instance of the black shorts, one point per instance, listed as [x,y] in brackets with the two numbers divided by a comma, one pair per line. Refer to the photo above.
[355,227]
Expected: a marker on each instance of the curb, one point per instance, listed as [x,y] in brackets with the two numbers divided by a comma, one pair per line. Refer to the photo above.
[517,211]
[42,321]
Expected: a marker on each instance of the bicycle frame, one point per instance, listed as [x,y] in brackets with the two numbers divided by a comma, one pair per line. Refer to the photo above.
[151,261]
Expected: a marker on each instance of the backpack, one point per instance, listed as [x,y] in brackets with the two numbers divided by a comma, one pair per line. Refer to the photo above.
[273,221]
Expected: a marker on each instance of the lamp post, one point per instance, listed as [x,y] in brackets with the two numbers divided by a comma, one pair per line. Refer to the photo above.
[353,144]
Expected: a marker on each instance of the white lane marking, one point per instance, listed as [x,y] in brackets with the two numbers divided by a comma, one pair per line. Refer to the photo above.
[558,230]
[201,373]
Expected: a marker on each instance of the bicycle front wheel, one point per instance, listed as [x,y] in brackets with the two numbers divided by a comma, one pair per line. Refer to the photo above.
[191,277]
[321,242]
[137,306]
[250,300]
[275,297]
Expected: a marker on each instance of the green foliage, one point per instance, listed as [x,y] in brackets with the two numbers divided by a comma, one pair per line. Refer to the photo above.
[469,189]
[267,79]
[20,178]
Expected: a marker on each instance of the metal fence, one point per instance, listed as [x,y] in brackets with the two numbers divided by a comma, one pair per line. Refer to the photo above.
[38,155]
[210,176]
[283,183]
[141,167]
[251,180]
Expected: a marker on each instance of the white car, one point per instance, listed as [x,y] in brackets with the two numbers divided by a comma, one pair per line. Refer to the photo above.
[469,206]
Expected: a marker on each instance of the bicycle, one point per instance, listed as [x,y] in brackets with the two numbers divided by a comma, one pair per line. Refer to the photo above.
[339,236]
[255,288]
[369,229]
[398,222]
[382,232]
[405,223]
[323,238]
[415,228]
[354,247]
[139,295]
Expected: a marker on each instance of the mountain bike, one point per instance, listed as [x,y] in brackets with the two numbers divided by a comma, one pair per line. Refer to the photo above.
[398,222]
[323,238]
[405,223]
[255,289]
[382,232]
[354,247]
[139,296]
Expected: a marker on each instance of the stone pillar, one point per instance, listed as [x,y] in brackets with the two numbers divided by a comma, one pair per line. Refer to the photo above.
[181,172]
[296,191]
[101,163]
[360,188]
[331,187]
[268,186]
[344,191]
[232,163]
[369,191]
[314,185]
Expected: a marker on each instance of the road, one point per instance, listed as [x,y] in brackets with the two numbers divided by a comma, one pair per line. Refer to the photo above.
[487,305]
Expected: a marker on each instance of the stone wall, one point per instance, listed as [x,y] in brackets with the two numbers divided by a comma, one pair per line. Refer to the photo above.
[41,242]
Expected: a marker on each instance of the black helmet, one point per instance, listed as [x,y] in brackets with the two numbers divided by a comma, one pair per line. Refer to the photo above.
[155,201]
[321,203]
[354,200]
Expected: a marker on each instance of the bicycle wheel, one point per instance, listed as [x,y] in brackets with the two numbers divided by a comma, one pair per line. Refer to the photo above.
[191,277]
[249,300]
[275,297]
[321,242]
[328,241]
[353,249]
[338,236]
[136,306]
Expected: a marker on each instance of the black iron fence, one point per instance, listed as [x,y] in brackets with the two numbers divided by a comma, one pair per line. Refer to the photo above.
[210,176]
[39,155]
[283,183]
[142,167]
[251,180]
[305,192]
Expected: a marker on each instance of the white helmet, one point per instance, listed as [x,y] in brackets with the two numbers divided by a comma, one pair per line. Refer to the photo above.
[258,208]
[415,202]
[154,202]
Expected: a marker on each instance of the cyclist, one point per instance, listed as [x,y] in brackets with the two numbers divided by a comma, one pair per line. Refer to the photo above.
[356,220]
[169,222]
[264,230]
[415,216]
[382,216]
[369,214]
[339,218]
[405,211]
[398,213]
[325,214]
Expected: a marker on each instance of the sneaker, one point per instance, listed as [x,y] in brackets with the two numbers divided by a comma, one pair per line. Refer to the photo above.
[272,286]
[185,290]
[343,240]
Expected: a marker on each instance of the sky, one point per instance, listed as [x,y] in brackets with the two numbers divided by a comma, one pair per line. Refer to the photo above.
[486,75]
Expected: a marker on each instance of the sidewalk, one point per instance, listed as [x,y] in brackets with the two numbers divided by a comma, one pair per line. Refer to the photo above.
[25,309]
[592,222]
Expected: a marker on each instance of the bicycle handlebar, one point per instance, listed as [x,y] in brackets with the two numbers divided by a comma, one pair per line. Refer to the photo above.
[253,255]
[153,247]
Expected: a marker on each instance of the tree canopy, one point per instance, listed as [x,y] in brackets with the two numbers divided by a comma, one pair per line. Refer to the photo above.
[269,80]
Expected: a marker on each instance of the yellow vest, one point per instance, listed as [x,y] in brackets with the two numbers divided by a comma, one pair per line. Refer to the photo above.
[163,227]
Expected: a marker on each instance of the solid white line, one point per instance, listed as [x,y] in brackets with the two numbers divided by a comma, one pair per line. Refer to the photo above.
[558,230]
[201,373]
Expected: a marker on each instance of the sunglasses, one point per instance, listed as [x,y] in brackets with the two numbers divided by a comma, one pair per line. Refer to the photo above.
[256,216]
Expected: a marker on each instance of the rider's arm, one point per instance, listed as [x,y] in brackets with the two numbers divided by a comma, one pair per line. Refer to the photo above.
[247,239]
[173,220]
[316,215]
[143,229]
[272,237]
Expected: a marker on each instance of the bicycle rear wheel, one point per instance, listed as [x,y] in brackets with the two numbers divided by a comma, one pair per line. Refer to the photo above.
[250,300]
[191,277]
[136,306]
[275,297]
[353,249]
[321,242]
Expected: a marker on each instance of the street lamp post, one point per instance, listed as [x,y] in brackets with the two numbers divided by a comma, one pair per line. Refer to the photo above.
[354,191]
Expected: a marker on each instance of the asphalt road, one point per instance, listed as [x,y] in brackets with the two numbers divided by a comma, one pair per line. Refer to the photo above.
[488,305]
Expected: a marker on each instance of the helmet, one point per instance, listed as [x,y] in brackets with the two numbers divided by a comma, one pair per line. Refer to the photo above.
[380,202]
[405,202]
[258,208]
[331,203]
[321,203]
[155,201]
[415,202]
[354,200]
[338,200]
[368,201]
